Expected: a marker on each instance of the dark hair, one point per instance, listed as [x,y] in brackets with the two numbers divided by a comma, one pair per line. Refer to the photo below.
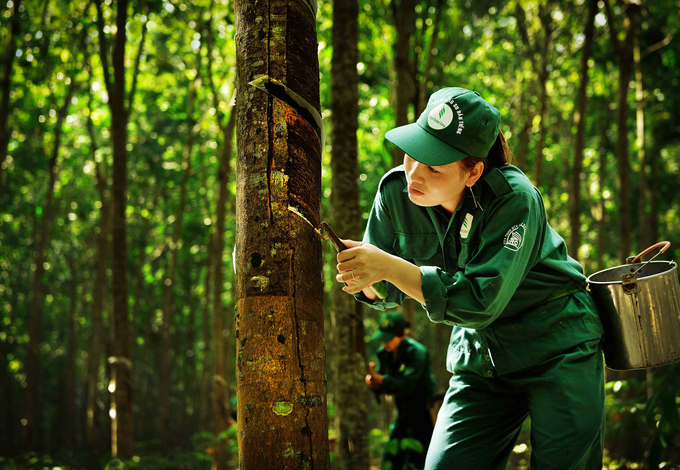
[499,155]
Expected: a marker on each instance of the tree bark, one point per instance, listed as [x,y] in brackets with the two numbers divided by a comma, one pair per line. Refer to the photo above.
[580,123]
[404,15]
[280,373]
[6,85]
[42,238]
[351,404]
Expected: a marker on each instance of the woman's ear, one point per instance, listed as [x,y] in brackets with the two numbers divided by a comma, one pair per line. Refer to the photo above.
[475,174]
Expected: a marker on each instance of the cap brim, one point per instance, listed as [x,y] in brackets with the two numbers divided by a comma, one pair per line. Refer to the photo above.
[382,336]
[422,146]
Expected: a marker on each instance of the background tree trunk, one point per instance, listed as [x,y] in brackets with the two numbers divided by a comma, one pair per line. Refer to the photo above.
[169,282]
[580,123]
[6,84]
[41,241]
[220,381]
[99,290]
[640,101]
[543,75]
[351,405]
[122,421]
[281,376]
[404,15]
[624,51]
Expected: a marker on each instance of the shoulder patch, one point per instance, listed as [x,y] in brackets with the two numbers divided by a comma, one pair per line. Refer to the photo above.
[514,238]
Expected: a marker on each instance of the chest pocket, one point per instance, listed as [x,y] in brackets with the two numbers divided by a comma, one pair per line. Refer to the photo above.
[467,250]
[419,248]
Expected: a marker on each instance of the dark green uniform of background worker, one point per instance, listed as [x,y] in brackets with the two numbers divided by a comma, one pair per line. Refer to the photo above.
[404,370]
[466,235]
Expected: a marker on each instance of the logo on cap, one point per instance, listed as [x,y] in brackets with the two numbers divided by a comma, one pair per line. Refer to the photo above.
[440,117]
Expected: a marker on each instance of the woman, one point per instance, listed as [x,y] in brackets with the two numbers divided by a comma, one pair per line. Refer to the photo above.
[465,233]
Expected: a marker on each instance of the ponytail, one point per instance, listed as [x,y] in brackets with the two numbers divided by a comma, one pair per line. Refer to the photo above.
[499,155]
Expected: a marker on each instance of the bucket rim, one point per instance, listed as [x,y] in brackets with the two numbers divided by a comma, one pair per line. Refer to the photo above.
[673,265]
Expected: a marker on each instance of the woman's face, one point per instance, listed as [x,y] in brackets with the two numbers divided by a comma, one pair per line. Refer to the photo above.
[438,185]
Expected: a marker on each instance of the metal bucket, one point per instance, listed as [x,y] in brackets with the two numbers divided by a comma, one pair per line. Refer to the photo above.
[641,314]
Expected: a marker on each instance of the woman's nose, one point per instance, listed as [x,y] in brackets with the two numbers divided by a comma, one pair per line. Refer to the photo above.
[416,172]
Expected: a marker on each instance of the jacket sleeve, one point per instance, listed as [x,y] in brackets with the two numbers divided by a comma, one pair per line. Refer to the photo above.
[509,243]
[406,379]
[380,232]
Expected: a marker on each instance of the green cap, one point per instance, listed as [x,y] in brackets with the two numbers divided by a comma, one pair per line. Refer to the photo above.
[457,123]
[391,324]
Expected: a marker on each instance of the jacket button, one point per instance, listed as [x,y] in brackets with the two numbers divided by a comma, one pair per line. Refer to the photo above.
[487,358]
[489,373]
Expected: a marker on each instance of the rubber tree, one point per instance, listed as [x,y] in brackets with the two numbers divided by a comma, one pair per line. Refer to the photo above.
[280,362]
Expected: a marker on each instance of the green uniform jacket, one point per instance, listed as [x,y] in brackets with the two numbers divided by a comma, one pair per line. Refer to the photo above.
[501,276]
[407,375]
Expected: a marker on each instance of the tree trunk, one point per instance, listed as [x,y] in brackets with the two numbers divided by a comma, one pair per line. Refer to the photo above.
[624,52]
[602,171]
[654,194]
[190,370]
[95,343]
[6,84]
[68,426]
[525,131]
[204,393]
[122,421]
[404,15]
[169,282]
[580,123]
[281,377]
[41,243]
[351,405]
[219,380]
[640,101]
[543,75]
[141,370]
[424,87]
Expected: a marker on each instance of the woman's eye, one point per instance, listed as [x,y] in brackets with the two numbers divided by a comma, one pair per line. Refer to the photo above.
[432,170]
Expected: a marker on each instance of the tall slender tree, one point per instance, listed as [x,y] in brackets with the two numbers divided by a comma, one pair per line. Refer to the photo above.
[6,83]
[351,405]
[122,422]
[624,52]
[404,17]
[580,124]
[42,238]
[280,373]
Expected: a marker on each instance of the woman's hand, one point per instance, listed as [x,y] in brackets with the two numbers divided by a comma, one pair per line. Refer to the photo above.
[362,265]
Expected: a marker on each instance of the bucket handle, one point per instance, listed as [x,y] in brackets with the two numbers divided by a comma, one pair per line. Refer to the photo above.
[630,278]
[665,244]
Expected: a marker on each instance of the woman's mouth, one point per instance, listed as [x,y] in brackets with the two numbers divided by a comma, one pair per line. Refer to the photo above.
[414,192]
